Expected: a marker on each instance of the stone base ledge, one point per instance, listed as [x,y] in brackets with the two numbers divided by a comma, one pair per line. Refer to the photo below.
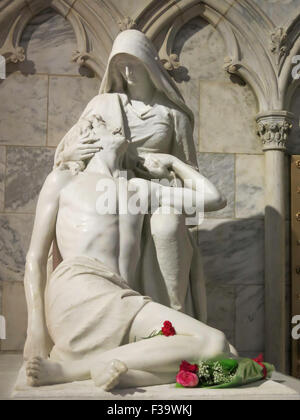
[86,390]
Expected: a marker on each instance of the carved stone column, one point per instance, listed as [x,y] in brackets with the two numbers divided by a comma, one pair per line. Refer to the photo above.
[273,129]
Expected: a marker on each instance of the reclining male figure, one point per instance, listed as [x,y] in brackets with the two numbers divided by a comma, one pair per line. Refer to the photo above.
[96,322]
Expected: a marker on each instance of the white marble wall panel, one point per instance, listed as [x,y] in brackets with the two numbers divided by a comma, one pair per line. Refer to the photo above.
[23,110]
[249,330]
[200,48]
[220,169]
[49,41]
[68,97]
[27,169]
[279,11]
[227,118]
[233,251]
[250,177]
[2,176]
[15,233]
[15,313]
[221,309]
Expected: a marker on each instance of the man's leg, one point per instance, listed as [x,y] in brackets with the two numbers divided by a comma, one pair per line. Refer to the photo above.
[142,363]
[174,253]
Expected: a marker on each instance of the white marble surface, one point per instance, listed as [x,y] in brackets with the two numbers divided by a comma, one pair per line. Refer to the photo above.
[15,313]
[68,97]
[277,389]
[49,41]
[2,175]
[249,327]
[23,121]
[15,231]
[130,7]
[233,251]
[220,169]
[191,94]
[227,123]
[250,178]
[27,169]
[279,11]
[221,309]
[200,48]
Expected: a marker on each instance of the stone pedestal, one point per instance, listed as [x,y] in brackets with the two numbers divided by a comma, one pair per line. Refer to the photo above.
[276,389]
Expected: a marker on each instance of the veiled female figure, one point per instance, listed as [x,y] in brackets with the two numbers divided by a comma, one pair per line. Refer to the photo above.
[138,98]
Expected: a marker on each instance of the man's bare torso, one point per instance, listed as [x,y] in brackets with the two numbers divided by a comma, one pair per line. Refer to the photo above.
[114,239]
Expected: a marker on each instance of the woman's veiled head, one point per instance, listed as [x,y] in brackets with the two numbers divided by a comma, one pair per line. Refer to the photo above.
[129,71]
[135,44]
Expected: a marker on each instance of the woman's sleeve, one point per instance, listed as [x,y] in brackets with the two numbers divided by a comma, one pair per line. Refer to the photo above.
[183,146]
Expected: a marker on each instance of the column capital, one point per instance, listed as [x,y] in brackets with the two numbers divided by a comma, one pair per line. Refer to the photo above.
[273,127]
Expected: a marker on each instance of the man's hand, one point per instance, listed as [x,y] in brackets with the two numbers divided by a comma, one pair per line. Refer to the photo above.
[158,165]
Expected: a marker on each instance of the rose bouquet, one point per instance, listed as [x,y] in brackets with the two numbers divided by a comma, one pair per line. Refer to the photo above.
[218,372]
[223,373]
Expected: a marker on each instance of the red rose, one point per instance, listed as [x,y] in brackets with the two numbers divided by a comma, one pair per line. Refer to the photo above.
[187,367]
[187,379]
[168,329]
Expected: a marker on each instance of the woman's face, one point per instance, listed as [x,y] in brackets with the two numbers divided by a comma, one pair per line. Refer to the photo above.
[132,70]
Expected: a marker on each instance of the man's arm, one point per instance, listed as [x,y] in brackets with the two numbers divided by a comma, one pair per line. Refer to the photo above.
[196,190]
[37,343]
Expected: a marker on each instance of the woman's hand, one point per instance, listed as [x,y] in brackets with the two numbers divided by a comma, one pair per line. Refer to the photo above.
[81,150]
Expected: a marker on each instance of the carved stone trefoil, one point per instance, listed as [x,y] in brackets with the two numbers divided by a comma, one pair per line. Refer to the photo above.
[229,65]
[80,57]
[172,63]
[279,43]
[274,129]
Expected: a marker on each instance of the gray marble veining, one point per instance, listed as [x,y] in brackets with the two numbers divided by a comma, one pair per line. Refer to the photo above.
[200,48]
[23,110]
[27,169]
[68,97]
[2,175]
[250,179]
[233,251]
[15,313]
[49,41]
[15,233]
[227,123]
[191,94]
[221,309]
[219,168]
[250,318]
[279,11]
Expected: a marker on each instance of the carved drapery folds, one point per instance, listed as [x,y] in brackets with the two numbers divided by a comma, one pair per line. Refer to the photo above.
[273,130]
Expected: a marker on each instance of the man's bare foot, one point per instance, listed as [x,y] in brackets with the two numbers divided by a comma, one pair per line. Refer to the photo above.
[110,376]
[44,372]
